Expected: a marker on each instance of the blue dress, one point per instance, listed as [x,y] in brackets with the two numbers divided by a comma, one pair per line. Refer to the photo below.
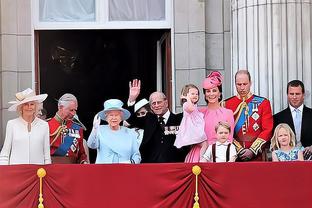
[288,156]
[119,146]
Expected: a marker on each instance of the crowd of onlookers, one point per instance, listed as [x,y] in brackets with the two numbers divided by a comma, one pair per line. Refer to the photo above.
[236,129]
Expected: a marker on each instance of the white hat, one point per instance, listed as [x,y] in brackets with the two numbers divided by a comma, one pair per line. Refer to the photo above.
[26,96]
[114,104]
[140,104]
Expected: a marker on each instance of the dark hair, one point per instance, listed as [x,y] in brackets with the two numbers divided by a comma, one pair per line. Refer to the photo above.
[243,71]
[295,83]
[220,90]
[186,89]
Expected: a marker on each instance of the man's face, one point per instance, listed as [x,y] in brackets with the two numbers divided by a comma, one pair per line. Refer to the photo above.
[68,112]
[242,84]
[159,105]
[295,96]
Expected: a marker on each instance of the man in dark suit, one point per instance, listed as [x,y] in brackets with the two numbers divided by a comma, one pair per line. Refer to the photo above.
[160,128]
[297,116]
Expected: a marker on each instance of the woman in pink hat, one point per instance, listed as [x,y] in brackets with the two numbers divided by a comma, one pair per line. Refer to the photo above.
[213,113]
[27,137]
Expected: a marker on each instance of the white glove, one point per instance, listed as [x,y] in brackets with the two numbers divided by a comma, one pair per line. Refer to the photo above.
[96,122]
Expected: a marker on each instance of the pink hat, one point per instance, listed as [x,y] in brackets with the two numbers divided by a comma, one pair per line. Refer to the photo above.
[214,79]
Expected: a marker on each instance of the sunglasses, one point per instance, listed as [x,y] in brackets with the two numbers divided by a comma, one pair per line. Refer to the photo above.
[141,114]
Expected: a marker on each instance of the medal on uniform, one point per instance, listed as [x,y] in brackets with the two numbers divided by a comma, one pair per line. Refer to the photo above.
[255,116]
[255,126]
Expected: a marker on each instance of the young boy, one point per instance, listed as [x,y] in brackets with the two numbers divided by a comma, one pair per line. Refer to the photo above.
[222,150]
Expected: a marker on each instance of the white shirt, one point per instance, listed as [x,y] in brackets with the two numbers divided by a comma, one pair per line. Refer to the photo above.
[23,147]
[220,152]
[293,114]
[166,116]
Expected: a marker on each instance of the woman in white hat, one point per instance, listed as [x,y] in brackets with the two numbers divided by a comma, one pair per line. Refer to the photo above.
[27,137]
[114,143]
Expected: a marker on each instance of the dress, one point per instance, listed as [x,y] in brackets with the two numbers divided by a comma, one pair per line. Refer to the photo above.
[66,140]
[212,117]
[23,147]
[253,123]
[292,155]
[221,149]
[119,146]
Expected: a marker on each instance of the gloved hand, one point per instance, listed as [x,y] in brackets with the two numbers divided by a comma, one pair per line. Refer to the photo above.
[96,122]
[307,153]
[246,155]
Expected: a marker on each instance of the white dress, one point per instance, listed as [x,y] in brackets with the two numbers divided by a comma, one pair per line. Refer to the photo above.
[23,147]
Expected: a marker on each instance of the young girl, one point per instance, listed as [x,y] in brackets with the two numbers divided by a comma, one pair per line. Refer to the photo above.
[222,150]
[191,131]
[283,144]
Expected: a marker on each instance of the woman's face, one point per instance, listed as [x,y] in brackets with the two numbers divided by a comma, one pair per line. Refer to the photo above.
[29,108]
[141,112]
[283,137]
[114,118]
[212,95]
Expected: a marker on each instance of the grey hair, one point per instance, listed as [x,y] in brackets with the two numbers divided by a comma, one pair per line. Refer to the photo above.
[160,94]
[66,99]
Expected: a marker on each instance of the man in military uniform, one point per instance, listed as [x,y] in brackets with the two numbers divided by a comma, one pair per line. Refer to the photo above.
[66,134]
[253,119]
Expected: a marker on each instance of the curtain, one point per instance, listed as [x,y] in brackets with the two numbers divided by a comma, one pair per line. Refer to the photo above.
[66,10]
[136,10]
[226,185]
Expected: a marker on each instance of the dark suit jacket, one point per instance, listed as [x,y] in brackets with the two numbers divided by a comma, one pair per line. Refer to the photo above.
[306,124]
[156,147]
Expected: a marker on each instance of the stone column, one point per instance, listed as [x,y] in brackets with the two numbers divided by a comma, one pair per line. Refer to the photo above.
[272,39]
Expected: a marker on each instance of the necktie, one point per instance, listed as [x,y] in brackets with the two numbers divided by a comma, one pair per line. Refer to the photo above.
[297,123]
[161,122]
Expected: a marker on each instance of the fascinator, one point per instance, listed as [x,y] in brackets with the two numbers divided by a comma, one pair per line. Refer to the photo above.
[214,79]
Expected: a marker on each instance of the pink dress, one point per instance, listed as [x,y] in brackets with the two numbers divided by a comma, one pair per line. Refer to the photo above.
[212,117]
[191,132]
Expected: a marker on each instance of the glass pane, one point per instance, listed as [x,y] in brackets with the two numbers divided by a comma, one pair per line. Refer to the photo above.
[137,10]
[66,10]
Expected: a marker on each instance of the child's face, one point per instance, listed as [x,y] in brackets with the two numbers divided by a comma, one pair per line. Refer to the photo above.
[283,137]
[222,134]
[193,94]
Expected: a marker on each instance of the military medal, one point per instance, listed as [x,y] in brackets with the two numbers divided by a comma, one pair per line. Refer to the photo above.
[255,126]
[255,116]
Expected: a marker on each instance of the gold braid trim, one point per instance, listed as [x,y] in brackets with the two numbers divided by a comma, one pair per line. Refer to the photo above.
[238,146]
[57,132]
[256,145]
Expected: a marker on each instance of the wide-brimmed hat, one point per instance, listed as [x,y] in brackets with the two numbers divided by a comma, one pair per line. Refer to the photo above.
[140,104]
[114,104]
[26,96]
[214,79]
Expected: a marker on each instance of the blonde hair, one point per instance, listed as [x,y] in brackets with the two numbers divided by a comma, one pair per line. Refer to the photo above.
[224,124]
[186,89]
[19,109]
[274,141]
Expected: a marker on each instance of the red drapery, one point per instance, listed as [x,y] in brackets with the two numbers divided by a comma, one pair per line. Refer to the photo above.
[159,185]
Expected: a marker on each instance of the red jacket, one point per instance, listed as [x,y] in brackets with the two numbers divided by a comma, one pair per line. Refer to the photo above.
[76,150]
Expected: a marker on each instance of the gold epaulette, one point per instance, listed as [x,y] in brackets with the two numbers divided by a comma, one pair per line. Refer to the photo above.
[57,133]
[256,145]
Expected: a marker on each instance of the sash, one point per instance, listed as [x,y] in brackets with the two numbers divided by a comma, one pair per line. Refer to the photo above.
[241,120]
[68,141]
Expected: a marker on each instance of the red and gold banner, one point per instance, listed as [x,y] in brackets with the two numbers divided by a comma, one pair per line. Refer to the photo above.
[252,184]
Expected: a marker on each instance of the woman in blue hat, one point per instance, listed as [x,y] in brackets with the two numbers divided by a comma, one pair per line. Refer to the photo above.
[114,143]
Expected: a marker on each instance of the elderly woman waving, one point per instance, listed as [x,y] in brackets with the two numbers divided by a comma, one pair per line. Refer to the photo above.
[114,143]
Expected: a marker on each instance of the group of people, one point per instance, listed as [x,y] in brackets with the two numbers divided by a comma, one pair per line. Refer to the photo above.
[235,129]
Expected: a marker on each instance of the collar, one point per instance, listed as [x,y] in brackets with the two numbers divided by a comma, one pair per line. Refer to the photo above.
[59,119]
[26,123]
[166,116]
[249,95]
[222,144]
[300,108]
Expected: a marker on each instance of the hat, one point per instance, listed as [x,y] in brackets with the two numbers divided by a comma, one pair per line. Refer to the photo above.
[140,104]
[114,104]
[214,79]
[26,96]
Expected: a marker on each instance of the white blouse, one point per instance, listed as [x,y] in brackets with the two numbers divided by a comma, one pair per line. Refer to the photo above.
[23,147]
